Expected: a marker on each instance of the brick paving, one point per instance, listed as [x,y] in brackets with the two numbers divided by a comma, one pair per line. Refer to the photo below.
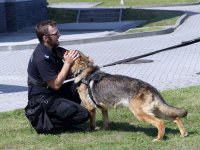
[169,70]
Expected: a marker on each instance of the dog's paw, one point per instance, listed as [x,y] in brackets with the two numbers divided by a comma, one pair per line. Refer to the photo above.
[89,130]
[105,128]
[92,129]
[155,140]
[97,128]
[184,134]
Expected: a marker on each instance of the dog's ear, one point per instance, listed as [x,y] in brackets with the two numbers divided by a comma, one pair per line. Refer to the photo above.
[59,51]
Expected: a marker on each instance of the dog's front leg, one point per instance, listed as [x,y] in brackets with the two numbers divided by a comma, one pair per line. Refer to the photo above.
[92,119]
[83,93]
[105,119]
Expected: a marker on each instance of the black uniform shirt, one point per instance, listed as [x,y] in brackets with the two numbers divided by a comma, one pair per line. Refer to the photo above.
[43,65]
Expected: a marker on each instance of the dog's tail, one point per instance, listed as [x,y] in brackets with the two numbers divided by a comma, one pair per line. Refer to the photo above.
[171,110]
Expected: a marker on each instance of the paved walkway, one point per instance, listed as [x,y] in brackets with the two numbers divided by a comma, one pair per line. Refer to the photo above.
[169,70]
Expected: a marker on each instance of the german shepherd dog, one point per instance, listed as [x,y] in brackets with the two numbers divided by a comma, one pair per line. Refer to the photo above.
[143,100]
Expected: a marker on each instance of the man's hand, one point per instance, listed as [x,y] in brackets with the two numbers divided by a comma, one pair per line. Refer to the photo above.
[70,56]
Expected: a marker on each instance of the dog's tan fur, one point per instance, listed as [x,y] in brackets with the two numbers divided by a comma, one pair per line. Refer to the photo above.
[143,100]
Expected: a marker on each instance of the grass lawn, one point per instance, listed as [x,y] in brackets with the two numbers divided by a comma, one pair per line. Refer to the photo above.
[129,2]
[149,29]
[155,19]
[126,131]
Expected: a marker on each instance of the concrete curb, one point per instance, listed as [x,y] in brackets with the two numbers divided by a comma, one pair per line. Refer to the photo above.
[197,3]
[101,39]
[152,6]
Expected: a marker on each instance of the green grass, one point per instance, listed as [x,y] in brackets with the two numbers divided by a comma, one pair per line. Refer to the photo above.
[149,29]
[126,131]
[129,2]
[155,19]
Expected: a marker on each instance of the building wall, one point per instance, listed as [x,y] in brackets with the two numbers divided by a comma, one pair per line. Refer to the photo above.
[2,16]
[21,13]
[39,9]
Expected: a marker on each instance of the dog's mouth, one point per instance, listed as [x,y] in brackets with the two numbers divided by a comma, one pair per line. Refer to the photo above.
[76,73]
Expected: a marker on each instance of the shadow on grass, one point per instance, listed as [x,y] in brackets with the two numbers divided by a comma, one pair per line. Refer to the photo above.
[119,126]
[149,130]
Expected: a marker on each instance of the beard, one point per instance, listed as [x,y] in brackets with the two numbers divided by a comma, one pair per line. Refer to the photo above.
[53,42]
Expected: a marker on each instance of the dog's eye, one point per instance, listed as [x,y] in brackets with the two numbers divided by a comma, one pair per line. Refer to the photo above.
[81,62]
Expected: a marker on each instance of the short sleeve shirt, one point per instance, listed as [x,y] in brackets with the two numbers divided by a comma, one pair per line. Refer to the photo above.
[43,65]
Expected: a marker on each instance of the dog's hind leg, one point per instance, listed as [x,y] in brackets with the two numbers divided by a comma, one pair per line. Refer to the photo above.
[180,126]
[136,107]
[159,124]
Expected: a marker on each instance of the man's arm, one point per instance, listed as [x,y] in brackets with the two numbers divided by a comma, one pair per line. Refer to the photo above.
[69,57]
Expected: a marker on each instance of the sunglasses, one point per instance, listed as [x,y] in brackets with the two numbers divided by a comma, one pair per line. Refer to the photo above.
[54,34]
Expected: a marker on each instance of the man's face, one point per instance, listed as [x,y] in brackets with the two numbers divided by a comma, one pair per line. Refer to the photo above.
[53,36]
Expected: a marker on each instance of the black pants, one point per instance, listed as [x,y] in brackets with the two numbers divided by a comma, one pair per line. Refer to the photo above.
[49,113]
[65,113]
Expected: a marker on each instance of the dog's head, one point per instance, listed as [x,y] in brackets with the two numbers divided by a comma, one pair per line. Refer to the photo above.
[82,67]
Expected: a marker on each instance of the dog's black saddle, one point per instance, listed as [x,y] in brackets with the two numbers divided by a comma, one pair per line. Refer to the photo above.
[95,76]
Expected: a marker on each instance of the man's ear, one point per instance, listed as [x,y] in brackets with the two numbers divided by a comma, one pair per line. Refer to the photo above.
[45,38]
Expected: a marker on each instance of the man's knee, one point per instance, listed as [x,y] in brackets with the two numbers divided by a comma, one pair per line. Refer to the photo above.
[65,108]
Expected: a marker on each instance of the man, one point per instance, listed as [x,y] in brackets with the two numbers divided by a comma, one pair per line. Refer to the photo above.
[52,105]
